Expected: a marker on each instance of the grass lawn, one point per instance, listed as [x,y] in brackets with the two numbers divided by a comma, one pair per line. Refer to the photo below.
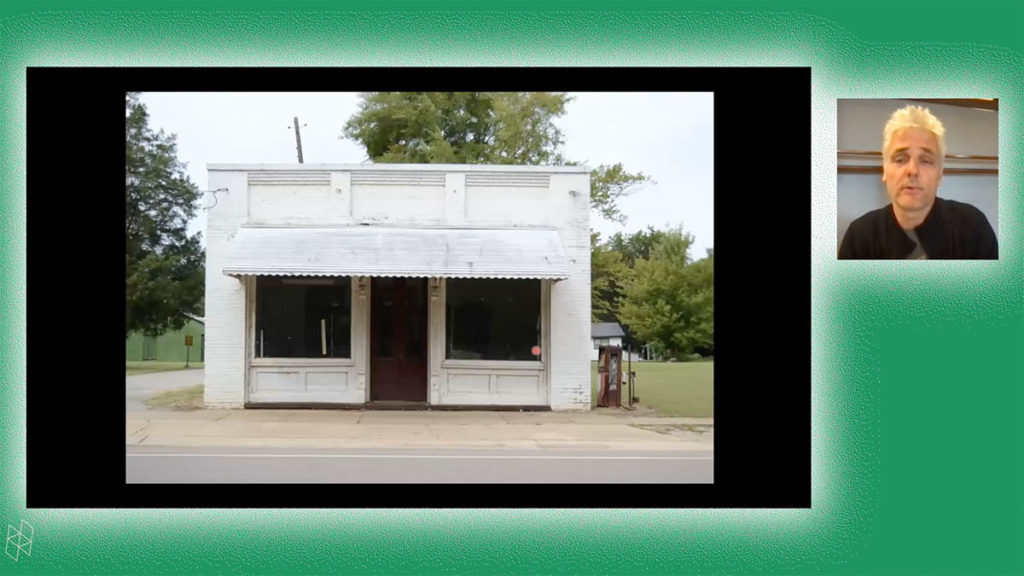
[190,398]
[133,368]
[672,389]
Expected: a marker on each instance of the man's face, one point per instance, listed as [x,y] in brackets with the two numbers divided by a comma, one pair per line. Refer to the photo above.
[912,170]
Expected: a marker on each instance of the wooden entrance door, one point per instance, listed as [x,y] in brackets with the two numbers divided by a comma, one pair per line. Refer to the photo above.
[398,339]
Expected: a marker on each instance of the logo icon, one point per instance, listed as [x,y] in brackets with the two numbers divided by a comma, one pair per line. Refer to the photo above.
[19,541]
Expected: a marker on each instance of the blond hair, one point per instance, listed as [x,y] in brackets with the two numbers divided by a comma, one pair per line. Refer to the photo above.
[914,117]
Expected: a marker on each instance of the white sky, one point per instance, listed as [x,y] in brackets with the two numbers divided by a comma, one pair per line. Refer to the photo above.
[668,136]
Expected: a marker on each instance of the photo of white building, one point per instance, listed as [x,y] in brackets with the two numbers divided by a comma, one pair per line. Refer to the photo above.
[391,285]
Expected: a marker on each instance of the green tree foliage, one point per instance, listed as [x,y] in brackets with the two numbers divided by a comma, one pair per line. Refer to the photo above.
[636,246]
[670,299]
[478,128]
[459,127]
[608,278]
[610,183]
[163,265]
[612,264]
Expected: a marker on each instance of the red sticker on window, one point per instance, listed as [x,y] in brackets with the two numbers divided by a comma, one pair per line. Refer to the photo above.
[535,350]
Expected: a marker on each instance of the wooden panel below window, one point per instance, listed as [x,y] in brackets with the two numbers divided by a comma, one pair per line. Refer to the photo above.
[326,381]
[303,384]
[271,381]
[507,385]
[494,388]
[479,384]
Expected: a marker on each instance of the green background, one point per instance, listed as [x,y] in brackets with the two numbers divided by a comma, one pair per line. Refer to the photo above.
[917,368]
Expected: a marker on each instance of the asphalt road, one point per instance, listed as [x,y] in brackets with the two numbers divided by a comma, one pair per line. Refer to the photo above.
[147,464]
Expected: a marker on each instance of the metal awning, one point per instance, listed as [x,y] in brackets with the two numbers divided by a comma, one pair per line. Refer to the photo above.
[409,252]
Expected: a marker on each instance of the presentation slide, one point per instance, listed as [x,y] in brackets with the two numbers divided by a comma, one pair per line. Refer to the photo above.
[683,287]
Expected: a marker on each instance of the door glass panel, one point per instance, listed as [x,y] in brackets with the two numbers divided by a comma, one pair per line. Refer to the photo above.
[383,317]
[415,347]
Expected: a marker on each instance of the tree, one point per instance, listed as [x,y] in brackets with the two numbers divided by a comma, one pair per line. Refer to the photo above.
[163,265]
[670,300]
[611,265]
[478,128]
[636,246]
[459,127]
[608,277]
[607,185]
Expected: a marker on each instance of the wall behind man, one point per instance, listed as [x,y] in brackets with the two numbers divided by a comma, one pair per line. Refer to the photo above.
[969,131]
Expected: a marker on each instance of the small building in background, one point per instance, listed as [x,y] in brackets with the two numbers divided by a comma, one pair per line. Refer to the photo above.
[605,334]
[391,285]
[169,346]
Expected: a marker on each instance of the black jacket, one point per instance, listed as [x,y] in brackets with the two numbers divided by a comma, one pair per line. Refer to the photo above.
[951,231]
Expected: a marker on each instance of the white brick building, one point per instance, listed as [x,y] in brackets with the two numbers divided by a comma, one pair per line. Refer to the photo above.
[382,284]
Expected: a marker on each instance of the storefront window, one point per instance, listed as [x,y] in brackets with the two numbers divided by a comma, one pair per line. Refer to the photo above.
[303,317]
[492,319]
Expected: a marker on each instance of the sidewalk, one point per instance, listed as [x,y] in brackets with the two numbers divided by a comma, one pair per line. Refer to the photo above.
[600,429]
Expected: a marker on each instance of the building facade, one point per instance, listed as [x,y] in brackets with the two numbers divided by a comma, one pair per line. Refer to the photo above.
[408,285]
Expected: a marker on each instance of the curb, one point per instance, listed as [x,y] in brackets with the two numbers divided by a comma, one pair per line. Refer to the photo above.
[668,445]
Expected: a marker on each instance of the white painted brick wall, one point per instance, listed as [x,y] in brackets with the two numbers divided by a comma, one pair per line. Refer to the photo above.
[225,295]
[510,206]
[570,299]
[399,203]
[310,205]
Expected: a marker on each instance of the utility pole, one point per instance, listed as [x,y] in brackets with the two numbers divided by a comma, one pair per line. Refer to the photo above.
[298,138]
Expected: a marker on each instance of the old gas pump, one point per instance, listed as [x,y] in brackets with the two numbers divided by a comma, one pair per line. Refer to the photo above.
[609,371]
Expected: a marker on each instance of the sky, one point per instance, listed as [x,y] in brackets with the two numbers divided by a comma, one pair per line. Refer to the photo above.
[667,136]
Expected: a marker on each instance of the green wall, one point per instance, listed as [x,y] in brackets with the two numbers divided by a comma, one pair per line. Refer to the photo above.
[170,347]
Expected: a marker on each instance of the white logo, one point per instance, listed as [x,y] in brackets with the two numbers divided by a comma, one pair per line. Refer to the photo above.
[19,541]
